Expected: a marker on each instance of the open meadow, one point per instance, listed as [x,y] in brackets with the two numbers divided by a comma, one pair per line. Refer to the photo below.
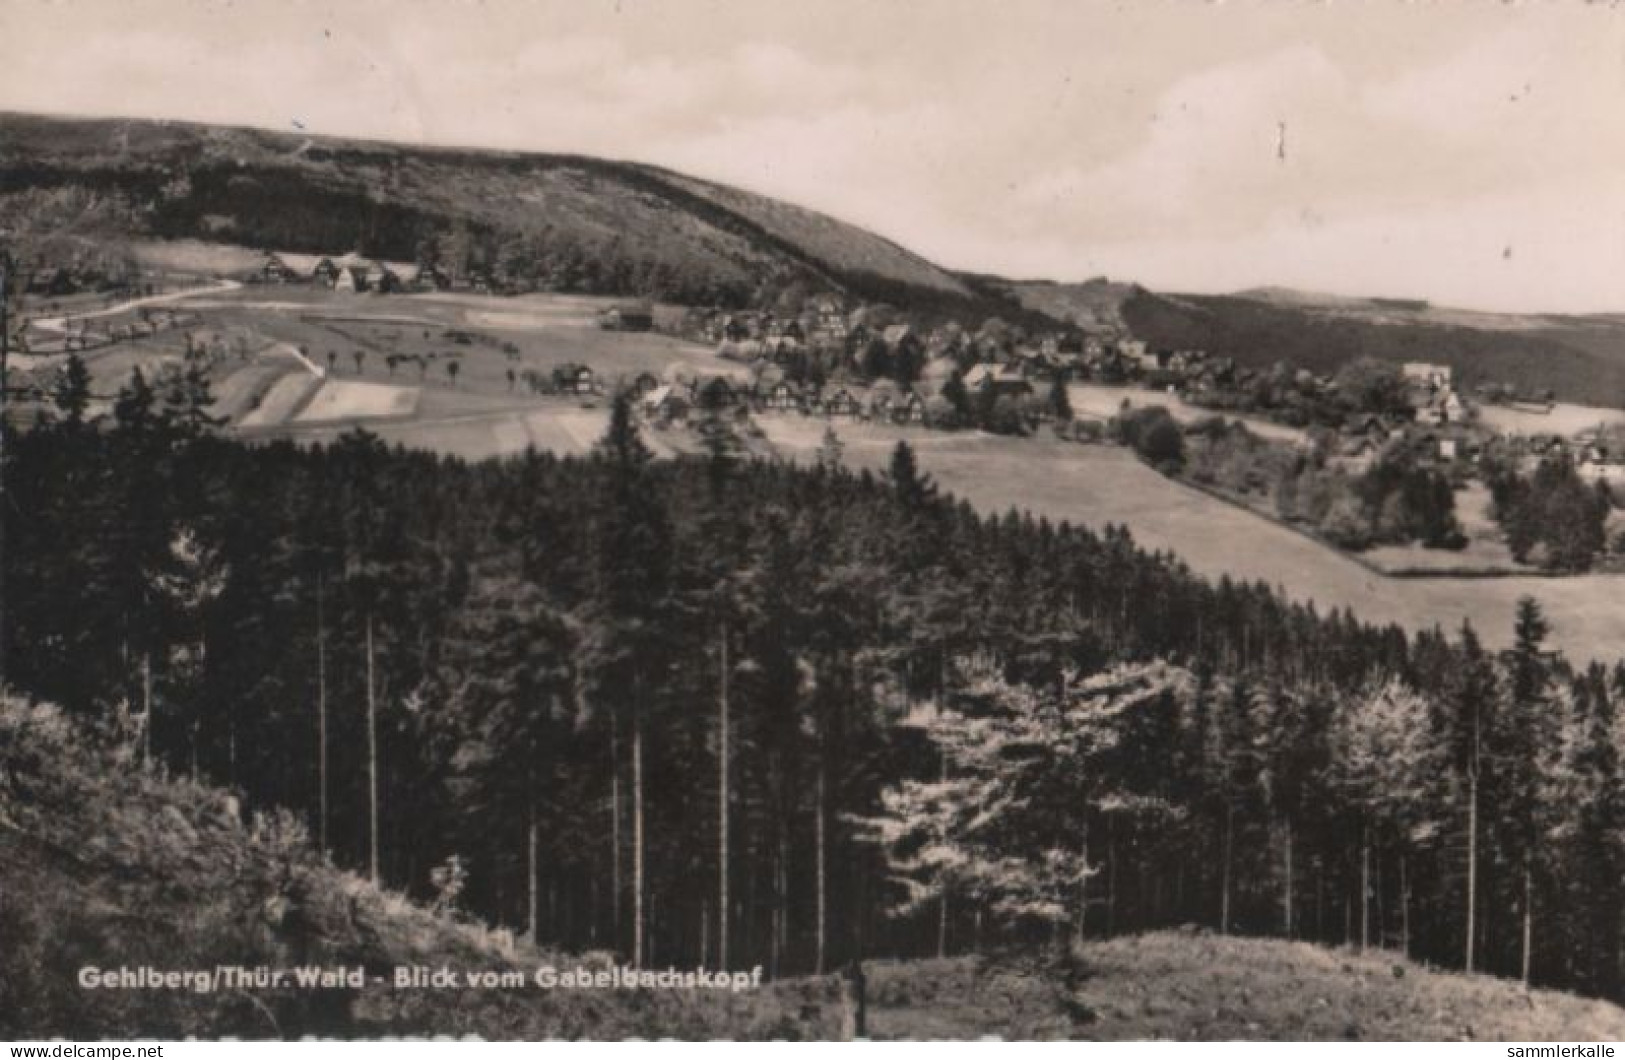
[349,400]
[488,335]
[1095,485]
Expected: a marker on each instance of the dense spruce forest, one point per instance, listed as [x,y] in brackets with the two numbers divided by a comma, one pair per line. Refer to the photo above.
[737,711]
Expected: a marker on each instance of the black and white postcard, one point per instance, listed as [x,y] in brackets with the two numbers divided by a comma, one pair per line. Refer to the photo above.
[710,520]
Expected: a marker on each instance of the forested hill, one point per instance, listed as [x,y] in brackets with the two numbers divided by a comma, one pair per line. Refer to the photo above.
[581,223]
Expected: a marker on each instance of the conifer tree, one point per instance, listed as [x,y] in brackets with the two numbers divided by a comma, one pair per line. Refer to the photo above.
[1466,715]
[72,395]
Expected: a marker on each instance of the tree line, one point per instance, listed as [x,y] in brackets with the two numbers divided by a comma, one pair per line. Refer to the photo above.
[660,707]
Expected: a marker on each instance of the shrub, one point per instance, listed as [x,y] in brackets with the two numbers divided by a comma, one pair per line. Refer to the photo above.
[1154,435]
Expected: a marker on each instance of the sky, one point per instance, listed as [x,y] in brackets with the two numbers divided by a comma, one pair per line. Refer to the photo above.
[1467,152]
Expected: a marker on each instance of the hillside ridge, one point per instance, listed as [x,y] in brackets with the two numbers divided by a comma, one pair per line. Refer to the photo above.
[639,228]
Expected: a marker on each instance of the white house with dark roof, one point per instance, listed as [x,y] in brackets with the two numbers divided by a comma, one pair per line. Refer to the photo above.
[1002,379]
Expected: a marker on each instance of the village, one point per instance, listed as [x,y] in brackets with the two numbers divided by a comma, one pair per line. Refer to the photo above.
[820,356]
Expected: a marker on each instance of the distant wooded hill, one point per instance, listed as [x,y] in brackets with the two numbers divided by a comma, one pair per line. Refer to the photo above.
[571,222]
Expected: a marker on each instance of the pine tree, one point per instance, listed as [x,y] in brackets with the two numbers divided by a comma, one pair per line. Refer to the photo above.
[133,407]
[188,584]
[374,552]
[72,395]
[1293,756]
[186,397]
[505,678]
[1466,716]
[958,397]
[913,488]
[1521,744]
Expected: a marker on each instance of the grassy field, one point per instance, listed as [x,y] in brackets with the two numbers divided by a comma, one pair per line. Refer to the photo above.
[195,256]
[285,398]
[242,393]
[104,863]
[1094,485]
[561,429]
[1197,987]
[541,333]
[342,399]
[110,367]
[487,338]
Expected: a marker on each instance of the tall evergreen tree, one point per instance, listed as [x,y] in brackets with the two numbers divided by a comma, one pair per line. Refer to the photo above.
[633,541]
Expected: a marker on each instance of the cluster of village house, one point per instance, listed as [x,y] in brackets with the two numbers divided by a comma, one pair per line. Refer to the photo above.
[1440,421]
[1598,454]
[884,401]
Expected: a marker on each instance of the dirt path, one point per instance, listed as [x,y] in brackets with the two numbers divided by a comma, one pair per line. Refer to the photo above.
[293,351]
